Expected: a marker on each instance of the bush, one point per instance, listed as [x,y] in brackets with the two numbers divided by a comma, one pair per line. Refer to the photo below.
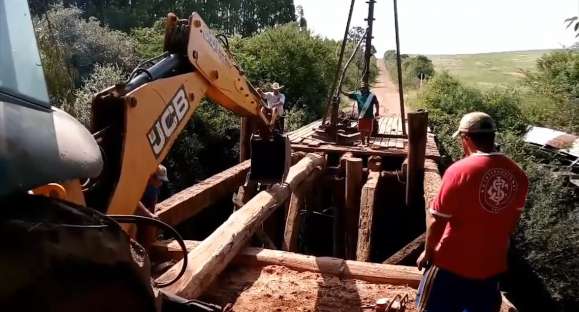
[102,77]
[71,46]
[548,234]
[414,68]
[447,100]
[149,40]
[553,99]
[305,64]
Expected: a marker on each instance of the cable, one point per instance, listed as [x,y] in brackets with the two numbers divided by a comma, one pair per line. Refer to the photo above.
[132,219]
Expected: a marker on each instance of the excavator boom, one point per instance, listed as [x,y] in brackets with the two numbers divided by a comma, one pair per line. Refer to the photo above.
[137,123]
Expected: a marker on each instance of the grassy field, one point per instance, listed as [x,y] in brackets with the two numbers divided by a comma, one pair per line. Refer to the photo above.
[487,70]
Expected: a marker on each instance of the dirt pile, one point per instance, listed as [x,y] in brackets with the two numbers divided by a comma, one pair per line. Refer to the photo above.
[277,288]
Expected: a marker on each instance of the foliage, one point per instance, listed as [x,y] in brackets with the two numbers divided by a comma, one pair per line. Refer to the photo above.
[554,86]
[71,46]
[245,17]
[102,77]
[209,144]
[414,68]
[548,233]
[303,63]
[149,40]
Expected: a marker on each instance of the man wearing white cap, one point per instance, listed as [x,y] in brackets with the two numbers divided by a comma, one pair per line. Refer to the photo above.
[469,224]
[275,101]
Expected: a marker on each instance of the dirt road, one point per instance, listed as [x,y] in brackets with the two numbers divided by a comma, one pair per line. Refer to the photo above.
[387,92]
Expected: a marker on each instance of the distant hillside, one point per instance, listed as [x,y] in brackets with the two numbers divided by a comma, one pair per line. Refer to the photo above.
[487,70]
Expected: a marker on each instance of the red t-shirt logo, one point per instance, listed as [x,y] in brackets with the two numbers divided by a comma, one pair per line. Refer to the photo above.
[497,189]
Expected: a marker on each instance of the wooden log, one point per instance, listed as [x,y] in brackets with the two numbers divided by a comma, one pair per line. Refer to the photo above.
[410,250]
[245,131]
[366,222]
[296,205]
[194,199]
[338,183]
[212,256]
[365,271]
[417,128]
[352,208]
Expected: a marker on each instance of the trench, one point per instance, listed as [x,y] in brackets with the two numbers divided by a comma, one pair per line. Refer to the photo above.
[395,224]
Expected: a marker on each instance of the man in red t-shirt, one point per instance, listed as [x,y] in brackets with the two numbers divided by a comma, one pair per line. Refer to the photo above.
[469,224]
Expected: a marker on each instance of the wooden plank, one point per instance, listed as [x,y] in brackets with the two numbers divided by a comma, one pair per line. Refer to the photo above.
[216,251]
[194,199]
[417,130]
[365,271]
[356,150]
[410,250]
[366,222]
[296,205]
[354,179]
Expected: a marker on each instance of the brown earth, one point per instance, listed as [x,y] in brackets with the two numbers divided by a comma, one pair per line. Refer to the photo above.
[387,92]
[278,288]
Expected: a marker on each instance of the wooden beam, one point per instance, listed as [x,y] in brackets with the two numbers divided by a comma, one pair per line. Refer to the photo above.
[365,271]
[366,222]
[194,199]
[351,216]
[417,130]
[212,256]
[296,205]
[245,131]
[410,250]
[338,194]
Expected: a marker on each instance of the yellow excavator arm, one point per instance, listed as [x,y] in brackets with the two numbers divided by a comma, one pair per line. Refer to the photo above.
[137,123]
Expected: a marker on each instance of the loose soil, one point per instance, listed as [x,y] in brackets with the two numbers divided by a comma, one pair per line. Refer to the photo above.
[278,288]
[387,92]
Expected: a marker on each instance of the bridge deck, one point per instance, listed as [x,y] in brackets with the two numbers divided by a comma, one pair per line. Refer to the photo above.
[302,140]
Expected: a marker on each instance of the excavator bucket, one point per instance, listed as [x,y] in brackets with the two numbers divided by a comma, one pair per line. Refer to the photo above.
[270,158]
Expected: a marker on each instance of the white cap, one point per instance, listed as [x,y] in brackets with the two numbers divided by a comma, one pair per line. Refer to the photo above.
[161,173]
[476,122]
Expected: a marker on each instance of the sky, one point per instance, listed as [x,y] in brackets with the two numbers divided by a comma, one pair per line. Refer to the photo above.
[451,26]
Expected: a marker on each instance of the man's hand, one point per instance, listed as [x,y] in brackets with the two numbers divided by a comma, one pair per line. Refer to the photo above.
[423,260]
[377,114]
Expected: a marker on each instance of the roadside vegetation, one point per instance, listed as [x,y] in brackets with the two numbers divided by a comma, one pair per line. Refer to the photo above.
[547,239]
[87,46]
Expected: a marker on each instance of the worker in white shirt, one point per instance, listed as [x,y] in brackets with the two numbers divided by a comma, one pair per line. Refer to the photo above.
[275,101]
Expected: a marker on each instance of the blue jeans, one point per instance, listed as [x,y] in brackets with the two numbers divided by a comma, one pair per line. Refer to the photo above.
[444,291]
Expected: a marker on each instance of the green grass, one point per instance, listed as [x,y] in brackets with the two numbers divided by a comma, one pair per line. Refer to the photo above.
[488,70]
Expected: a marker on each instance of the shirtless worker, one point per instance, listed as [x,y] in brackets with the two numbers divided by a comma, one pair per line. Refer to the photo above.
[365,102]
[469,224]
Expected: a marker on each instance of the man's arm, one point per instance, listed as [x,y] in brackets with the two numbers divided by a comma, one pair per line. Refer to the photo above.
[377,105]
[143,211]
[441,209]
[435,226]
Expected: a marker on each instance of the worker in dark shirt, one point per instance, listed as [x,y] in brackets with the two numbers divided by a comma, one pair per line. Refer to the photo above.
[366,101]
[148,234]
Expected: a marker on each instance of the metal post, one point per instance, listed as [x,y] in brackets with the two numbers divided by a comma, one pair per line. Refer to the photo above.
[400,89]
[368,51]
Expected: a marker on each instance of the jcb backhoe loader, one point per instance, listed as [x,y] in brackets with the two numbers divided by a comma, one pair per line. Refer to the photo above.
[58,255]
